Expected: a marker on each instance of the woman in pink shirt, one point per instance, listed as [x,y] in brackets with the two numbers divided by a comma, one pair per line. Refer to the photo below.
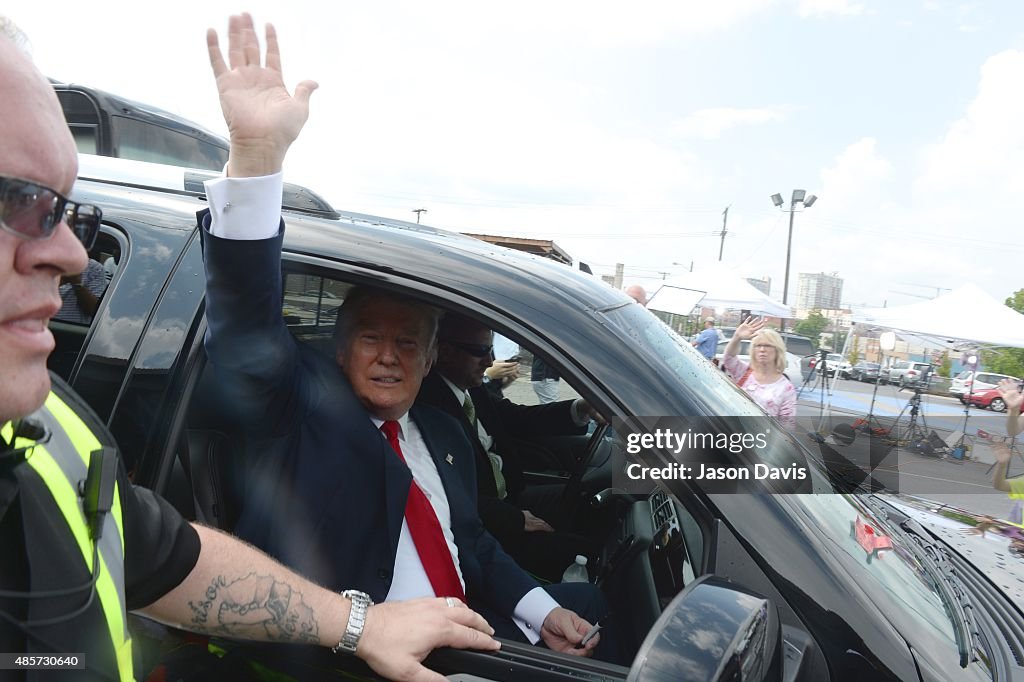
[762,379]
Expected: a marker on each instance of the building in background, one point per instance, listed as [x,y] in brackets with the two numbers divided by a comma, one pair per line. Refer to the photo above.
[819,291]
[541,247]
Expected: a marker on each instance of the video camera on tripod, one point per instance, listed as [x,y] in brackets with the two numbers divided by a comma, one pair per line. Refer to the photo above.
[819,361]
[917,436]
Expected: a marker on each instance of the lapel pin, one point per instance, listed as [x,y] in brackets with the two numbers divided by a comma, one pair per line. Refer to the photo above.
[449,459]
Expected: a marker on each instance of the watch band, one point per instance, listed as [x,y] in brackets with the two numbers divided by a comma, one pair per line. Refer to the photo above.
[360,603]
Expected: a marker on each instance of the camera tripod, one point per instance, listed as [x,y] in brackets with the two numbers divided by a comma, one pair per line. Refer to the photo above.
[916,433]
[869,421]
[960,449]
[820,372]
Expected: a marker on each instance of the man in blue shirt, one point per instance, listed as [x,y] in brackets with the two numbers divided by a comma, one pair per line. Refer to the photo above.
[707,341]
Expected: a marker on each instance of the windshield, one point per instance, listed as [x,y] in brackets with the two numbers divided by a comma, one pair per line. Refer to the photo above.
[894,577]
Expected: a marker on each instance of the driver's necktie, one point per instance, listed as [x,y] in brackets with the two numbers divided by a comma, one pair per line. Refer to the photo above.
[499,478]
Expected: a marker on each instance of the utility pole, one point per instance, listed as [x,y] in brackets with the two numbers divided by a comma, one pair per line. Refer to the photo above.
[725,219]
[418,211]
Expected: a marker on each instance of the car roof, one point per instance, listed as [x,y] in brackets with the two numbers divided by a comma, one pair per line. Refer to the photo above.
[383,243]
[543,302]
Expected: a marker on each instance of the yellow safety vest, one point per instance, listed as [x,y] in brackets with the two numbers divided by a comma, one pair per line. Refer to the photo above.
[61,462]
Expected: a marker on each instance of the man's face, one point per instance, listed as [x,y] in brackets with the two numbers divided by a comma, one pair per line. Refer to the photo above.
[35,145]
[462,358]
[387,354]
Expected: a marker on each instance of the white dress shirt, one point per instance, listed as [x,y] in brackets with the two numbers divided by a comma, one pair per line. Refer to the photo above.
[410,578]
[250,208]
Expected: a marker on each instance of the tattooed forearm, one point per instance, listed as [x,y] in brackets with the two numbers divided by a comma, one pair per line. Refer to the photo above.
[244,606]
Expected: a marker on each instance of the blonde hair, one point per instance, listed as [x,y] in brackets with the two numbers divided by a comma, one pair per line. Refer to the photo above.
[771,337]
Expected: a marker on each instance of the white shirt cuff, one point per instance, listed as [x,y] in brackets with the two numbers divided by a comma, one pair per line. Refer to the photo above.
[575,411]
[245,208]
[531,611]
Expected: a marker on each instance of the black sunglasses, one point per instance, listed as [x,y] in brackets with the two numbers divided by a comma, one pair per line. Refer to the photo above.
[33,211]
[477,350]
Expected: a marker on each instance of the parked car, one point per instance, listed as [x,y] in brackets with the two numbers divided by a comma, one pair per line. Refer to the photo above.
[906,373]
[865,371]
[834,365]
[832,586]
[967,382]
[110,125]
[989,398]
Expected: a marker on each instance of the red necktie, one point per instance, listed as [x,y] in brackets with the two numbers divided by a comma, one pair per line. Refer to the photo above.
[426,532]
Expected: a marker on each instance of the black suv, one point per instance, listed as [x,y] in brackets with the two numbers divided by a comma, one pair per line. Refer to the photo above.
[826,586]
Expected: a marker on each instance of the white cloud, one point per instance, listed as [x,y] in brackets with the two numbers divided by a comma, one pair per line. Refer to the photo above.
[854,178]
[817,8]
[982,150]
[709,124]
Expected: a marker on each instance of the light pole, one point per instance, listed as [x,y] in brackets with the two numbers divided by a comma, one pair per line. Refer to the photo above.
[807,200]
[418,211]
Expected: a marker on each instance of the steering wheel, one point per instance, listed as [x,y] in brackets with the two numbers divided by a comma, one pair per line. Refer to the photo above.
[574,486]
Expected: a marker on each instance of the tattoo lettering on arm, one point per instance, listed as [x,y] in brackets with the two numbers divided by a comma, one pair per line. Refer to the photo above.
[245,606]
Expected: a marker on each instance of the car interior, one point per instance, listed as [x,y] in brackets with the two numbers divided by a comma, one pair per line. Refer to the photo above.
[651,548]
[70,334]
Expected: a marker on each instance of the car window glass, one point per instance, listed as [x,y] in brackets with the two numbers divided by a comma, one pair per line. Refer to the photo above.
[147,142]
[83,120]
[798,345]
[310,304]
[81,294]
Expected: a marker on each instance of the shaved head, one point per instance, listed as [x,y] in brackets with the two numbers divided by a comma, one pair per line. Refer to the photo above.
[637,293]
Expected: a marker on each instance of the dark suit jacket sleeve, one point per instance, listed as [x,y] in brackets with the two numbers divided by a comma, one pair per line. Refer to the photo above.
[247,341]
[501,517]
[552,419]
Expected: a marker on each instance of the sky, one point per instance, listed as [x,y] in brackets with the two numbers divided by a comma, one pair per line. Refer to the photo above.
[622,131]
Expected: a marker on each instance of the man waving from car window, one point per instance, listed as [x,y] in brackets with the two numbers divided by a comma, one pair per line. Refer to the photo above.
[344,481]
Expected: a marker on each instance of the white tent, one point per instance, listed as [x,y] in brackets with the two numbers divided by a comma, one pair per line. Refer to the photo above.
[721,288]
[967,314]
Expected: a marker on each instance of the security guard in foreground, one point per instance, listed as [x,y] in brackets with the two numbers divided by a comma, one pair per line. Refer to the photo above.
[80,547]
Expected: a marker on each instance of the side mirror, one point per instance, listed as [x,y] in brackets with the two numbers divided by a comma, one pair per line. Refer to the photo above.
[713,631]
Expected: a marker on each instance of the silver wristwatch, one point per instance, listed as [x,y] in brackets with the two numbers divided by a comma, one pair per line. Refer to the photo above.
[356,620]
